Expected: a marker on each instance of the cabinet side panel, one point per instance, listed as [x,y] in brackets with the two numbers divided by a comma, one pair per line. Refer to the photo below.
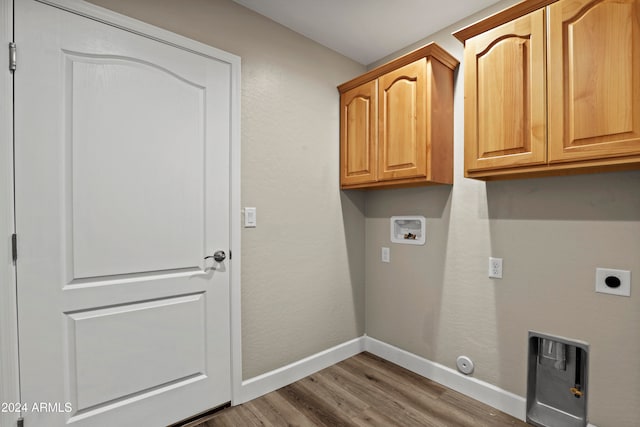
[440,126]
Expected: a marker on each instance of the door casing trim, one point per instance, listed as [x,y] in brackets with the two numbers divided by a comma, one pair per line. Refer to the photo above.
[9,368]
[9,361]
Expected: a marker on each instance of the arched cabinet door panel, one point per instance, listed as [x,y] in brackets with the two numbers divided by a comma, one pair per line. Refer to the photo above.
[594,79]
[505,119]
[359,134]
[403,122]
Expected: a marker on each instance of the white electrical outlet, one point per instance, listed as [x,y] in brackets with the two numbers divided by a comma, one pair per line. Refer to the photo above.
[386,255]
[495,268]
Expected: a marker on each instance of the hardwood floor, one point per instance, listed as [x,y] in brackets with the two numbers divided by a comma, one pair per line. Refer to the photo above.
[362,391]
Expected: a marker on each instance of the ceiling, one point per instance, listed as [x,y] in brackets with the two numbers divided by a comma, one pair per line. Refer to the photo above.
[366,30]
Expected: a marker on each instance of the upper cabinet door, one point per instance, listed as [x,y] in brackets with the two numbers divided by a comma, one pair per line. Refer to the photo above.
[505,123]
[403,122]
[359,134]
[594,79]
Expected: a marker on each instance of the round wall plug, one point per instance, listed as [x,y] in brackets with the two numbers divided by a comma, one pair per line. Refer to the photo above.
[465,365]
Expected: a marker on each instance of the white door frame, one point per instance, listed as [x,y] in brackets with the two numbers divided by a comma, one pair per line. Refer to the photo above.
[9,373]
[9,357]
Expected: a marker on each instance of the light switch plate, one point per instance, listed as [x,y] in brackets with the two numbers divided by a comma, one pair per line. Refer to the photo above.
[250,217]
[623,276]
[386,255]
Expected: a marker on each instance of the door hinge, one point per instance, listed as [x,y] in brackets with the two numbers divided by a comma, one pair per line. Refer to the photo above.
[12,56]
[20,422]
[14,247]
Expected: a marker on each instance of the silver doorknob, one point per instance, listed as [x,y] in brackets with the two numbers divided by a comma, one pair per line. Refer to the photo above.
[218,256]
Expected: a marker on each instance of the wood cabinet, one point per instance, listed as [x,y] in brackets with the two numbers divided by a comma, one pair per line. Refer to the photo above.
[505,111]
[359,130]
[396,123]
[594,79]
[553,88]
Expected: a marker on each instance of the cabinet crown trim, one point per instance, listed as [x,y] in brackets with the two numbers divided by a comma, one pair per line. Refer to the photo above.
[432,50]
[499,18]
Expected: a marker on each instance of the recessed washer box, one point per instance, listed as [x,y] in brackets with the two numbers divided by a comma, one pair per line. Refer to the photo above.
[409,230]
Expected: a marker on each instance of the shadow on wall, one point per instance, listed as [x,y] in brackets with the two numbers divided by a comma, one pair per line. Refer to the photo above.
[403,296]
[553,233]
[597,197]
[353,206]
[430,201]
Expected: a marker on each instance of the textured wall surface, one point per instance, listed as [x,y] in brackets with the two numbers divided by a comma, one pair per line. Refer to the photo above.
[437,301]
[303,266]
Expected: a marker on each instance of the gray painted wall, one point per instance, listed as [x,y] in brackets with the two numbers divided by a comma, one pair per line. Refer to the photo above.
[437,301]
[303,266]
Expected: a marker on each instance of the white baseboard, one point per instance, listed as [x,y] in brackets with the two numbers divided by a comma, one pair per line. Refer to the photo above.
[271,381]
[487,393]
[482,391]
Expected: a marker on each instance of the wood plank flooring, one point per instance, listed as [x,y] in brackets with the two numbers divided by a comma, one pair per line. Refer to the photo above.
[362,391]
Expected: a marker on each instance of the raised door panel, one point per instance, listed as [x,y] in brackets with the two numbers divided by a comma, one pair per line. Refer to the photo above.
[122,177]
[594,79]
[121,191]
[155,335]
[505,97]
[403,122]
[359,134]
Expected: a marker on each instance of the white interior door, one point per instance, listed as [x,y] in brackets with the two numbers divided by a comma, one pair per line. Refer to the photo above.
[122,190]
